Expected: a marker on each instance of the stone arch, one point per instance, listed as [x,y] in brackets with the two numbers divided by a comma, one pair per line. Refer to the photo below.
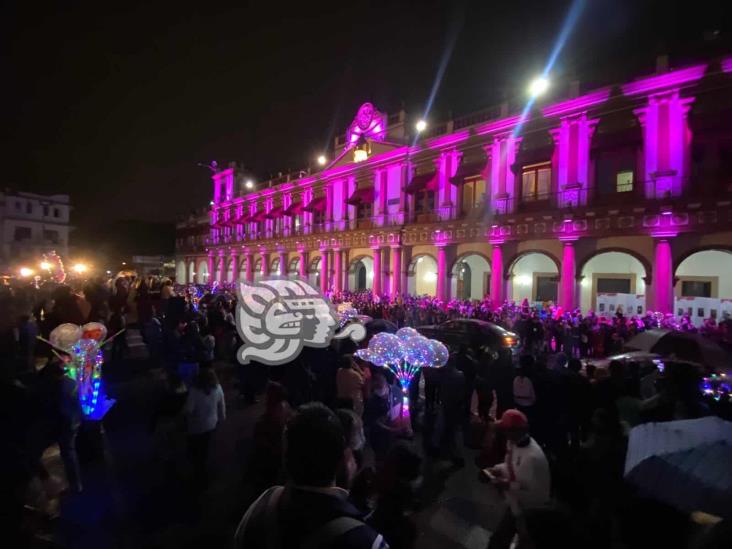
[706,248]
[314,272]
[274,266]
[619,271]
[180,272]
[257,269]
[191,272]
[230,270]
[704,272]
[534,276]
[361,272]
[470,276]
[243,269]
[637,255]
[293,267]
[202,275]
[422,275]
[516,257]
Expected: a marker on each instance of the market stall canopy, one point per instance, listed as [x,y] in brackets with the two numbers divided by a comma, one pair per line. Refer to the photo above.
[684,463]
[682,346]
[295,208]
[274,213]
[359,196]
[466,171]
[421,182]
[316,205]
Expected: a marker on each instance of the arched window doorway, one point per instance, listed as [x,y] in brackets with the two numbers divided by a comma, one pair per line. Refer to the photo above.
[470,277]
[202,275]
[275,267]
[258,269]
[191,273]
[180,272]
[535,277]
[314,273]
[422,276]
[361,273]
[611,273]
[293,270]
[707,273]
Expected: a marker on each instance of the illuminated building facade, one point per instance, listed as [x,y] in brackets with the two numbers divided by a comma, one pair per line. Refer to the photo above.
[625,189]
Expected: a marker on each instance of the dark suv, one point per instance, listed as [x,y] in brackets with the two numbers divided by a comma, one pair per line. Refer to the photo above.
[476,334]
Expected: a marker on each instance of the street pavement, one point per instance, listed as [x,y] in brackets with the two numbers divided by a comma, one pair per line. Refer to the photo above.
[134,497]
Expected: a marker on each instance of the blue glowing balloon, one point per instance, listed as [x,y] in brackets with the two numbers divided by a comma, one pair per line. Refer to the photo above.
[387,347]
[440,352]
[368,356]
[419,352]
[406,333]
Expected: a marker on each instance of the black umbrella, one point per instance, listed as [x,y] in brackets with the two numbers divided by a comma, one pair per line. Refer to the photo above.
[380,325]
[683,346]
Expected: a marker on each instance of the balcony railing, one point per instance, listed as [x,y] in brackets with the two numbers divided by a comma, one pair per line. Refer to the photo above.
[652,192]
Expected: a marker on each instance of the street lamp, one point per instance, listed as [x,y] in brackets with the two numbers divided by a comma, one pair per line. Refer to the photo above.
[249,184]
[421,126]
[45,265]
[80,268]
[25,272]
[322,160]
[538,86]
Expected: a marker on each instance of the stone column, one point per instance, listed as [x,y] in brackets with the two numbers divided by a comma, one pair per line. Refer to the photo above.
[567,279]
[663,288]
[210,278]
[324,271]
[235,265]
[264,271]
[338,268]
[376,285]
[222,267]
[442,282]
[396,270]
[496,289]
[249,273]
[283,263]
[303,266]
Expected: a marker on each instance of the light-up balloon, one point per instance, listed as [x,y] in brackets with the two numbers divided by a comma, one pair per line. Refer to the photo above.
[441,353]
[406,333]
[418,352]
[65,335]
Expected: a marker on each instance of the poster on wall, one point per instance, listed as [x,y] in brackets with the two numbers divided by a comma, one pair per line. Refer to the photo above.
[610,304]
[701,308]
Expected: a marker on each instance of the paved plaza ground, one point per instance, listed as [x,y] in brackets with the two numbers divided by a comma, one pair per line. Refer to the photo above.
[132,499]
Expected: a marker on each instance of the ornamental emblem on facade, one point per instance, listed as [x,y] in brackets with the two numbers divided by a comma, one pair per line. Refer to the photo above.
[369,122]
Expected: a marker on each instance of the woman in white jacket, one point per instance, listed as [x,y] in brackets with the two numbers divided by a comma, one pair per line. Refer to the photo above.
[205,408]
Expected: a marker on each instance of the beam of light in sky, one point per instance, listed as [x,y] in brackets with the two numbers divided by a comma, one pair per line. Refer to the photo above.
[456,26]
[569,23]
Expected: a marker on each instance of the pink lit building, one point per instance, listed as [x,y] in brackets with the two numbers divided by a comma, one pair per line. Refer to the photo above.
[625,189]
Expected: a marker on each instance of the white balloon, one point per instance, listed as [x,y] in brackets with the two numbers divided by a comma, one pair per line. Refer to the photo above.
[65,335]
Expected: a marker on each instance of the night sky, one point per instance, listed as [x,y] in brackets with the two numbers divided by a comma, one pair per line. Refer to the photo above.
[115,103]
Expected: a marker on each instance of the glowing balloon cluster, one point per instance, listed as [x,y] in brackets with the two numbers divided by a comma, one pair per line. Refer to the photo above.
[83,345]
[404,354]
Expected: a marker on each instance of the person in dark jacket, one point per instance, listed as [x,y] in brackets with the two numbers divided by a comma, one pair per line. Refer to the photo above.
[452,400]
[309,511]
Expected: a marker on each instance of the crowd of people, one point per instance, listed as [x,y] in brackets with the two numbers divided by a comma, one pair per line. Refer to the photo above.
[334,461]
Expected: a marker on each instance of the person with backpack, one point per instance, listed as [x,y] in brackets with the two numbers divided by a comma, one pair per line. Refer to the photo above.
[310,511]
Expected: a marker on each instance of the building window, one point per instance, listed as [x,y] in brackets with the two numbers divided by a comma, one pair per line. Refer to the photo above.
[614,285]
[318,218]
[536,180]
[473,194]
[51,236]
[545,288]
[624,181]
[424,202]
[615,171]
[45,210]
[56,212]
[29,207]
[22,233]
[18,205]
[364,210]
[696,288]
